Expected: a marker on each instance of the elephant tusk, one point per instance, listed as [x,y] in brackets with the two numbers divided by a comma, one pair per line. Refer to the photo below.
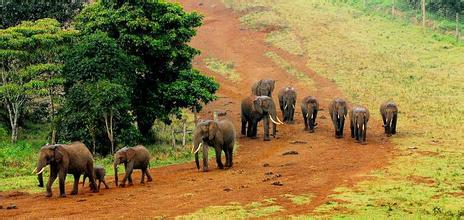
[273,120]
[307,115]
[293,106]
[285,106]
[35,169]
[198,149]
[338,116]
[41,171]
[278,119]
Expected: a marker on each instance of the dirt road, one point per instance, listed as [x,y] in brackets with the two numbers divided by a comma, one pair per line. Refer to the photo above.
[322,163]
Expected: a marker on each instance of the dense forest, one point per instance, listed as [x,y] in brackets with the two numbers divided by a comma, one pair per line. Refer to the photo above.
[101,73]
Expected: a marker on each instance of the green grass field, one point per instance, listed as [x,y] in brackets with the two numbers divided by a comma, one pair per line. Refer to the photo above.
[373,58]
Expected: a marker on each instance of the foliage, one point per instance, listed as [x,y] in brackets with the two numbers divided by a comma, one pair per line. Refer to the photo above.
[445,7]
[157,32]
[28,64]
[372,59]
[12,12]
[99,78]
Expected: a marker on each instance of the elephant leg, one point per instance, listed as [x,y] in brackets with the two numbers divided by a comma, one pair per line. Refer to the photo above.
[205,157]
[254,129]
[83,180]
[76,183]
[250,129]
[93,183]
[99,183]
[244,124]
[147,172]
[106,186]
[364,133]
[395,118]
[231,152]
[218,158]
[352,129]
[342,126]
[62,181]
[226,152]
[51,179]
[306,121]
[266,128]
[385,126]
[142,181]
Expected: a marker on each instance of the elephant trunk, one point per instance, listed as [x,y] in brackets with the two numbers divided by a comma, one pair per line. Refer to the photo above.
[40,168]
[116,173]
[197,161]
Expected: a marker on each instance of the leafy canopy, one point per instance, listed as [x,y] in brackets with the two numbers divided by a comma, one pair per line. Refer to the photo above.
[157,33]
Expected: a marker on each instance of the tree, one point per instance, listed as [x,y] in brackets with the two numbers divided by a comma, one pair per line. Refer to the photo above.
[156,32]
[28,64]
[12,12]
[99,82]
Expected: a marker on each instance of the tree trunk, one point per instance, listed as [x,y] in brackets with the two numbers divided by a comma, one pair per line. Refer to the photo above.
[109,128]
[173,138]
[393,7]
[457,27]
[184,132]
[423,13]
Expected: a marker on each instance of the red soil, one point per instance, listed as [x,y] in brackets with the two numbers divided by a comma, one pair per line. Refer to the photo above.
[322,163]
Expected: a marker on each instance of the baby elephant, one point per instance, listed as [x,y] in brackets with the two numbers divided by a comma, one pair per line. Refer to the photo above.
[99,173]
[389,112]
[359,116]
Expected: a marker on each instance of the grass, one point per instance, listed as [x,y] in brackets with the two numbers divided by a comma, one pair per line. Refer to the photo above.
[236,211]
[225,69]
[374,58]
[282,63]
[299,199]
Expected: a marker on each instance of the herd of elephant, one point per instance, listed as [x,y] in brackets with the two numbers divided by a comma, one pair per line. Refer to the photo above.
[77,160]
[260,106]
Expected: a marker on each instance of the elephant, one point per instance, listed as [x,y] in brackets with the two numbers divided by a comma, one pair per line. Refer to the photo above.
[74,158]
[338,110]
[263,87]
[287,101]
[136,157]
[389,112]
[99,174]
[359,116]
[218,134]
[309,109]
[255,109]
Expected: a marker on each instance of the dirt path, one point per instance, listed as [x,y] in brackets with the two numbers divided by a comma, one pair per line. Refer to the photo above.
[322,164]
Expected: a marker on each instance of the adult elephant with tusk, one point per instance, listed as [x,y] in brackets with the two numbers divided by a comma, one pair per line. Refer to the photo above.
[287,101]
[309,109]
[338,110]
[63,159]
[137,157]
[389,112]
[359,116]
[218,134]
[255,109]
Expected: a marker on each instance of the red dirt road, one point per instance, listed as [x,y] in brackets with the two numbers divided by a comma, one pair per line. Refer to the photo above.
[322,163]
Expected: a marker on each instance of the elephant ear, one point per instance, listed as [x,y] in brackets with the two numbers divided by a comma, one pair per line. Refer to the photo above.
[212,130]
[130,153]
[58,153]
[258,105]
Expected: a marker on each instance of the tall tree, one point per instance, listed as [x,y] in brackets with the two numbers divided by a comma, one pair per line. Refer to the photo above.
[28,64]
[99,82]
[157,32]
